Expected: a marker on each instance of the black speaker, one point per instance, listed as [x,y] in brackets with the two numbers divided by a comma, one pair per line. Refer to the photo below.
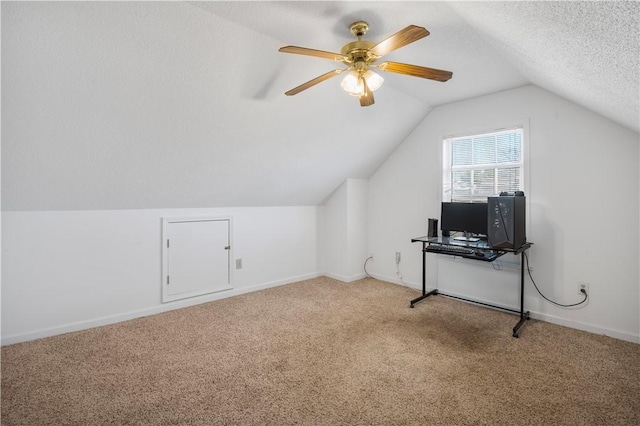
[432,230]
[506,225]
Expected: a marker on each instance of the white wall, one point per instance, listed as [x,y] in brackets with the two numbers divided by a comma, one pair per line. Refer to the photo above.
[69,270]
[343,231]
[584,210]
[333,234]
[358,190]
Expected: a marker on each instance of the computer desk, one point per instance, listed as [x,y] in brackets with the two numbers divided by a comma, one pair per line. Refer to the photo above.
[480,245]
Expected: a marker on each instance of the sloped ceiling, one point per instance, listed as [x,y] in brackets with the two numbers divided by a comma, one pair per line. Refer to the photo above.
[587,52]
[116,105]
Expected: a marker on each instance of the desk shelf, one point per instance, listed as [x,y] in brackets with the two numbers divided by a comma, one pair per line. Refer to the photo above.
[482,246]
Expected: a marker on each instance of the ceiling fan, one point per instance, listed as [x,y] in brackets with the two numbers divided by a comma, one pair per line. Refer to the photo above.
[361,56]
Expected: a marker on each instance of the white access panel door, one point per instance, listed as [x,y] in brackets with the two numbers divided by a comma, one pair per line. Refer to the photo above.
[196,257]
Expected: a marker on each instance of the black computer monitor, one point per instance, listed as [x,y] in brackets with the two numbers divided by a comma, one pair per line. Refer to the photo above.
[469,218]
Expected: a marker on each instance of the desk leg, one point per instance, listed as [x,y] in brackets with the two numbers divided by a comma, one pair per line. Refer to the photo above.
[424,279]
[524,316]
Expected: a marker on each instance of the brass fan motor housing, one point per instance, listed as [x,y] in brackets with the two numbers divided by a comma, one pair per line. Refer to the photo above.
[358,51]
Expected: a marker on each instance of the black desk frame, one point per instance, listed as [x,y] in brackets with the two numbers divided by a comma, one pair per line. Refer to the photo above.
[524,316]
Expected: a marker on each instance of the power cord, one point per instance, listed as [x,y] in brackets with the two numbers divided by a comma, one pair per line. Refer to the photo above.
[365,266]
[398,274]
[582,290]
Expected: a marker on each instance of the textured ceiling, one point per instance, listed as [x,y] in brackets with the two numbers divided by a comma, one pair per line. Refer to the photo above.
[116,105]
[587,52]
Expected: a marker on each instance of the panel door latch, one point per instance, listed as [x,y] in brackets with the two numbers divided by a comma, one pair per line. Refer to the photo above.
[227,247]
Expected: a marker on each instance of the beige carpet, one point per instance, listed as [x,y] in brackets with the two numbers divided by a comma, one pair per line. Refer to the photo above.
[322,352]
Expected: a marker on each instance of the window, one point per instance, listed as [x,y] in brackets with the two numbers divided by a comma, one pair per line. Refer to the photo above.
[482,165]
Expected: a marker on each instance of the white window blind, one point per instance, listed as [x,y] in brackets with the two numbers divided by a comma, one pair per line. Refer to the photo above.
[478,166]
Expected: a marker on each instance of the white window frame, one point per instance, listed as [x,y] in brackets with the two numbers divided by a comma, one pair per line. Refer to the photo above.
[446,183]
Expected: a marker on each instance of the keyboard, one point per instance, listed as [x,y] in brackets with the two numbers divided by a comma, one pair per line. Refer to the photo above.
[463,251]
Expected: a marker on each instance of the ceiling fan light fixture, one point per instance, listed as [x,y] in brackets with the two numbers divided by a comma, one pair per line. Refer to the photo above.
[353,82]
[374,81]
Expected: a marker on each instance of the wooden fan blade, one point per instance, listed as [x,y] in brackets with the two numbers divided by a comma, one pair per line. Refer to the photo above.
[401,38]
[310,83]
[367,98]
[416,71]
[312,52]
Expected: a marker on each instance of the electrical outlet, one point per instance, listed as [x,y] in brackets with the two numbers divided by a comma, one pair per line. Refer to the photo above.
[238,263]
[583,286]
[397,257]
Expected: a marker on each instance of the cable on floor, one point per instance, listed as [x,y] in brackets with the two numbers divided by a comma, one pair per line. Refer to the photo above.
[586,296]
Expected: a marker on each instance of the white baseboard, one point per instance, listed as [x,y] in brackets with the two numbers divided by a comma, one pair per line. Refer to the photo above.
[620,335]
[396,280]
[165,307]
[344,278]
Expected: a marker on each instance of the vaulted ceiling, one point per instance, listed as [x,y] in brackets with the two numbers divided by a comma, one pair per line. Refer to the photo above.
[116,105]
